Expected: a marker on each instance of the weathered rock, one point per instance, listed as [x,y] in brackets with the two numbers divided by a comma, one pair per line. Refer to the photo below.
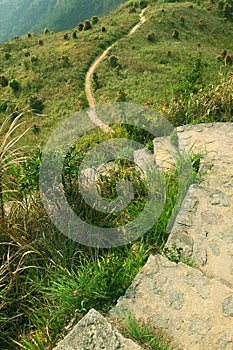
[94,332]
[206,213]
[195,310]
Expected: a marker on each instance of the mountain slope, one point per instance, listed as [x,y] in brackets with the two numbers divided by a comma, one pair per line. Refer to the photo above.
[18,17]
[151,67]
[45,73]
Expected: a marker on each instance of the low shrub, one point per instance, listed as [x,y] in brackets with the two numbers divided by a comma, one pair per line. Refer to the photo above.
[113,61]
[15,85]
[80,26]
[4,80]
[175,34]
[36,103]
[151,37]
[94,20]
[87,25]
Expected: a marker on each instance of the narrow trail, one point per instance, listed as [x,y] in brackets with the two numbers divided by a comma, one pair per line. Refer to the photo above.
[88,90]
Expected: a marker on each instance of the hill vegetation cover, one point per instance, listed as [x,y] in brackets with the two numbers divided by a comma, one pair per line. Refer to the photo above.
[179,62]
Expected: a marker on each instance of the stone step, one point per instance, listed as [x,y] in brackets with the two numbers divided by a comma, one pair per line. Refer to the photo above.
[204,225]
[197,312]
[94,332]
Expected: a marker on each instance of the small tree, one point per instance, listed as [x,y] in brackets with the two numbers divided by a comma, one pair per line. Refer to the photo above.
[143,4]
[175,34]
[15,85]
[94,20]
[7,56]
[113,61]
[87,25]
[80,26]
[151,37]
[46,30]
[3,80]
[36,103]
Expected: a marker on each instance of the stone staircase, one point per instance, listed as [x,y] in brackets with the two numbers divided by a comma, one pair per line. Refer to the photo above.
[193,305]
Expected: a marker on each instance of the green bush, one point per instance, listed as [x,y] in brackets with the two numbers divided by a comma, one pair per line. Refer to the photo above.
[7,56]
[151,37]
[87,25]
[36,103]
[132,9]
[80,26]
[3,80]
[94,20]
[46,31]
[15,85]
[143,4]
[113,61]
[74,35]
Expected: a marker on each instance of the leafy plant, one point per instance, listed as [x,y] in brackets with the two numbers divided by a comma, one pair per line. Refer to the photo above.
[15,85]
[177,255]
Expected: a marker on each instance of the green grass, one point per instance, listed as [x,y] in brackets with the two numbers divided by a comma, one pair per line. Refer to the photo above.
[145,335]
[49,281]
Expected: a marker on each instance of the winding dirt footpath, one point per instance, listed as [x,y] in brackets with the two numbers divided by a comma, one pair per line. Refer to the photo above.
[90,97]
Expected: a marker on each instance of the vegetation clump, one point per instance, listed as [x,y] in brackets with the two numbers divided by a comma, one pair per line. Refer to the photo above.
[40,42]
[34,59]
[7,56]
[15,85]
[4,80]
[46,31]
[66,36]
[80,26]
[94,20]
[151,37]
[132,9]
[74,35]
[87,25]
[113,61]
[36,103]
[175,34]
[181,19]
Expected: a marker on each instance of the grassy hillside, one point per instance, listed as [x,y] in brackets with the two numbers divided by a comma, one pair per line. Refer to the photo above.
[17,17]
[179,62]
[154,68]
[54,72]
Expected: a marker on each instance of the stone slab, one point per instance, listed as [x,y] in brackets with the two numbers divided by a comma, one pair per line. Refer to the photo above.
[94,332]
[197,312]
[204,225]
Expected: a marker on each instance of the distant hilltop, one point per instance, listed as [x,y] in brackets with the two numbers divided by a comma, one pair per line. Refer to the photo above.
[17,17]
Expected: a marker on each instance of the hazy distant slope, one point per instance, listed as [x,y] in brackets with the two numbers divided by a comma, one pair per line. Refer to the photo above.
[17,17]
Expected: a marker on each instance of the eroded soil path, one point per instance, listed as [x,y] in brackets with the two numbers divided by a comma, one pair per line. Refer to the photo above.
[88,89]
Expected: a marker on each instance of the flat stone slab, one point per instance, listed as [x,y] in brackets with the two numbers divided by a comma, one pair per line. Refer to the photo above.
[94,332]
[197,312]
[204,225]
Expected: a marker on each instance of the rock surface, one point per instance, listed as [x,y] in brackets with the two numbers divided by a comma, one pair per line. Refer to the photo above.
[197,312]
[204,226]
[94,332]
[194,305]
